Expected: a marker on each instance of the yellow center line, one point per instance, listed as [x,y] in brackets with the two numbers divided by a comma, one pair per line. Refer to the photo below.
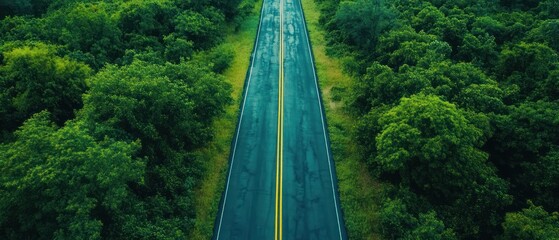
[279,151]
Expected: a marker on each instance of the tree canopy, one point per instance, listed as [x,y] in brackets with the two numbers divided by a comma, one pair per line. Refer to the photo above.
[456,104]
[34,78]
[62,183]
[104,107]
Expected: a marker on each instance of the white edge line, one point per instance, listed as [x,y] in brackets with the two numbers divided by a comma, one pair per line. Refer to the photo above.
[322,119]
[253,56]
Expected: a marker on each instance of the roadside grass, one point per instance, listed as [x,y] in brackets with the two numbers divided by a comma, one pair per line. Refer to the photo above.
[358,190]
[215,157]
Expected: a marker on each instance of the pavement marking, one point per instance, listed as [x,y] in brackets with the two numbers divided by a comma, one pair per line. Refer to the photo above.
[279,154]
[322,119]
[240,119]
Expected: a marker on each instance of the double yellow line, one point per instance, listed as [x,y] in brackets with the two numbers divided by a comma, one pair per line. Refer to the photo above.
[279,151]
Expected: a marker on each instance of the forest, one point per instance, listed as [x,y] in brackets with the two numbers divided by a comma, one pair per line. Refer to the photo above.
[458,112]
[102,107]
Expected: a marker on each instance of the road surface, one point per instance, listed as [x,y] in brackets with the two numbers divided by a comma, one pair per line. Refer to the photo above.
[281,182]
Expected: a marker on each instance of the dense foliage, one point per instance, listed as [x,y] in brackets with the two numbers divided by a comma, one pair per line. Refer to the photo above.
[458,109]
[103,105]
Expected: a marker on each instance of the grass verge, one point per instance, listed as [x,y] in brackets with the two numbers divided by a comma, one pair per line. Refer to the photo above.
[215,157]
[358,190]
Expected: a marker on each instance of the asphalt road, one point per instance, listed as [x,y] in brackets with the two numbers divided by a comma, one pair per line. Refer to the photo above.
[281,183]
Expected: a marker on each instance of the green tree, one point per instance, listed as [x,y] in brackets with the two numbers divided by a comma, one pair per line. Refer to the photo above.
[517,24]
[230,8]
[430,19]
[177,48]
[34,78]
[159,104]
[542,177]
[491,26]
[62,183]
[219,58]
[144,23]
[465,85]
[548,90]
[169,108]
[523,148]
[361,22]
[485,97]
[404,215]
[433,149]
[382,86]
[532,223]
[480,50]
[431,227]
[87,30]
[525,66]
[406,46]
[525,4]
[398,223]
[415,53]
[24,7]
[545,32]
[482,7]
[548,9]
[462,83]
[204,28]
